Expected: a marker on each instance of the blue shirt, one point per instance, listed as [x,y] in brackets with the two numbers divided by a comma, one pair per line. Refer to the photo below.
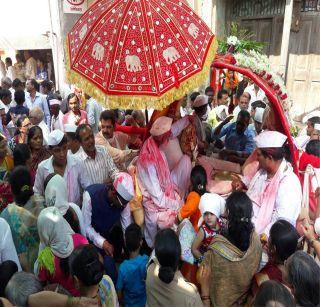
[41,102]
[238,142]
[132,280]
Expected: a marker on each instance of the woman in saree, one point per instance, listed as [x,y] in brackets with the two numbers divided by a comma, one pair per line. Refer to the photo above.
[235,255]
[20,136]
[283,242]
[38,151]
[22,216]
[57,242]
[89,278]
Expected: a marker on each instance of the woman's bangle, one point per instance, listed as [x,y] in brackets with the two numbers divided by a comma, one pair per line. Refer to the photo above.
[205,298]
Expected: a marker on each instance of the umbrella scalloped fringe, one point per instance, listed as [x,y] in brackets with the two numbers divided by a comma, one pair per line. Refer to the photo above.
[143,102]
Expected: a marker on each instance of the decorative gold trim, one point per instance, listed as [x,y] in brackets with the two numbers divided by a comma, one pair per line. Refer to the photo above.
[143,102]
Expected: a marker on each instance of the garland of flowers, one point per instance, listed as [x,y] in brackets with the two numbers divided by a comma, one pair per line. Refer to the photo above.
[260,65]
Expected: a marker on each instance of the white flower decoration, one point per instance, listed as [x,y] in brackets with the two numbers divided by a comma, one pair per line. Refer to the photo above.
[232,40]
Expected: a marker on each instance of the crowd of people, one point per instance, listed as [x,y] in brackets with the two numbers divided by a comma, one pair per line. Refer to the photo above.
[198,207]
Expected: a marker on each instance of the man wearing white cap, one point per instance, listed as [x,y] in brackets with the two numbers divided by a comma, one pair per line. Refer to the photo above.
[200,107]
[56,114]
[257,120]
[275,190]
[164,174]
[104,211]
[74,146]
[64,164]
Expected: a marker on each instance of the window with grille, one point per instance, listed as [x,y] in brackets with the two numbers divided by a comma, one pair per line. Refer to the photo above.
[251,8]
[310,6]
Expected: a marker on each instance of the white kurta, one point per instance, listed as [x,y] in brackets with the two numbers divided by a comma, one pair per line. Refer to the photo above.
[288,200]
[179,164]
[7,248]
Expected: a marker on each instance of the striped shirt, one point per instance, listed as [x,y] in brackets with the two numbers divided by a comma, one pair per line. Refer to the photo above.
[101,169]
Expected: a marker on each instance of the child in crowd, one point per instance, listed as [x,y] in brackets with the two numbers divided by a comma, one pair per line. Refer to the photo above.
[132,275]
[190,209]
[211,206]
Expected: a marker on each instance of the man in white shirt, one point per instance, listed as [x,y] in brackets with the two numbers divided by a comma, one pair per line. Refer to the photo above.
[93,110]
[2,69]
[10,69]
[104,207]
[31,65]
[275,190]
[56,114]
[243,105]
[35,99]
[302,140]
[7,248]
[255,92]
[107,138]
[64,164]
[74,146]
[36,118]
[5,99]
[97,160]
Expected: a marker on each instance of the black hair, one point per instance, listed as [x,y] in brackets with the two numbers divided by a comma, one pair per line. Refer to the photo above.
[2,137]
[284,237]
[70,96]
[21,184]
[72,218]
[128,112]
[276,153]
[72,135]
[31,132]
[168,252]
[240,227]
[303,276]
[108,115]
[4,93]
[20,120]
[8,61]
[47,84]
[81,128]
[16,83]
[221,93]
[35,84]
[194,95]
[21,154]
[273,291]
[198,179]
[19,97]
[84,263]
[314,120]
[244,114]
[133,237]
[208,89]
[7,269]
[313,148]
[258,104]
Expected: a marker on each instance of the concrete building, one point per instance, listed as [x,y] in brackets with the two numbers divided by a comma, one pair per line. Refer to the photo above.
[291,29]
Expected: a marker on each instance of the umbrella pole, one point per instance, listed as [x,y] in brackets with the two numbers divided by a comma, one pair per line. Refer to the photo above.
[146,115]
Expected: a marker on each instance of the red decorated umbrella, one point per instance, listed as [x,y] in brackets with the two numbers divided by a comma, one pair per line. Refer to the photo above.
[139,53]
